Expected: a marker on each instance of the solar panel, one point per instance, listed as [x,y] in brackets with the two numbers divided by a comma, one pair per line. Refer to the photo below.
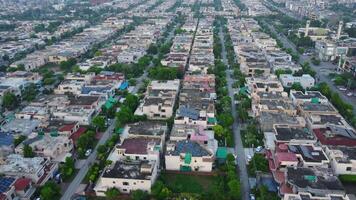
[5,183]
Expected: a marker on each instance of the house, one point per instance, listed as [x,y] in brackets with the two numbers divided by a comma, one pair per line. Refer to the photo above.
[343,159]
[56,148]
[309,196]
[288,134]
[306,81]
[150,129]
[317,181]
[159,100]
[38,169]
[187,155]
[128,176]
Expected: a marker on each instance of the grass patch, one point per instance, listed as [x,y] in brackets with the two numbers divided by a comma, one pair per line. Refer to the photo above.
[181,183]
[348,178]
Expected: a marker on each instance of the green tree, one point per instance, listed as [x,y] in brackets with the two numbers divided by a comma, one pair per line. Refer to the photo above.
[9,101]
[258,163]
[234,189]
[18,140]
[30,92]
[67,169]
[27,151]
[112,193]
[131,101]
[219,131]
[99,122]
[50,191]
[160,191]
[140,195]
[297,87]
[225,119]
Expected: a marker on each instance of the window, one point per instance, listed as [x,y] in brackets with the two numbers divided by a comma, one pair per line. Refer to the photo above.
[348,168]
[136,157]
[113,182]
[125,183]
[125,190]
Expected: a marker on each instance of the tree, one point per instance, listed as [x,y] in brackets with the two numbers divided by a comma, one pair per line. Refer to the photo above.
[160,191]
[67,169]
[243,115]
[112,193]
[28,152]
[99,122]
[131,101]
[30,92]
[225,119]
[140,195]
[9,101]
[19,140]
[258,163]
[50,191]
[219,131]
[234,189]
[67,65]
[297,87]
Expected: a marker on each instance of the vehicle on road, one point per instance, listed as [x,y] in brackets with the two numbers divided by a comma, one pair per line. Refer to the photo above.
[349,94]
[88,152]
[252,197]
[342,89]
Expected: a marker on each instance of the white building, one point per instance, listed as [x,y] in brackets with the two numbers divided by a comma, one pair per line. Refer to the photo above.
[306,81]
[186,155]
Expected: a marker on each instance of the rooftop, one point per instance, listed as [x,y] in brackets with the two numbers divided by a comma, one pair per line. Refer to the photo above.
[309,153]
[284,133]
[149,128]
[314,179]
[130,170]
[187,146]
[138,145]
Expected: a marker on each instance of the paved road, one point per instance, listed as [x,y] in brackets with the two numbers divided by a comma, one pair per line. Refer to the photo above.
[322,70]
[74,185]
[239,150]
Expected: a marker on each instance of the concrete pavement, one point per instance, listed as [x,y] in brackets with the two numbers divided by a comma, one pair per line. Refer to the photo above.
[239,150]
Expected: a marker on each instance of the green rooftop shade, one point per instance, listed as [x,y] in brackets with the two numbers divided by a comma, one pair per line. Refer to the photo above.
[310,178]
[221,152]
[119,130]
[185,168]
[212,120]
[110,102]
[188,158]
[54,133]
[41,133]
[243,90]
[315,100]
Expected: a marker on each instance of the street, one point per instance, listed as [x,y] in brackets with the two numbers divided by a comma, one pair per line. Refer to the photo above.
[322,70]
[239,149]
[74,185]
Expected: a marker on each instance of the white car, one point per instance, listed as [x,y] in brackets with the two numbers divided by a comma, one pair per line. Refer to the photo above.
[88,152]
[259,148]
[349,94]
[342,89]
[252,197]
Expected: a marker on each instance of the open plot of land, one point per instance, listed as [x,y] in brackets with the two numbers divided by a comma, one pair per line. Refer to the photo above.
[187,183]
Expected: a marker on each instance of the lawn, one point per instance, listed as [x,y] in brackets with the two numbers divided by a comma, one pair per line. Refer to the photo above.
[180,183]
[348,178]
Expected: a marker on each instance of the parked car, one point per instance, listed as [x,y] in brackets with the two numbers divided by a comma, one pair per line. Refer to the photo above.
[342,89]
[349,94]
[252,197]
[259,148]
[88,152]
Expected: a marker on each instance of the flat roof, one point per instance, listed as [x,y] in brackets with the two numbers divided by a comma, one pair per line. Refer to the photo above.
[148,128]
[293,133]
[130,170]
